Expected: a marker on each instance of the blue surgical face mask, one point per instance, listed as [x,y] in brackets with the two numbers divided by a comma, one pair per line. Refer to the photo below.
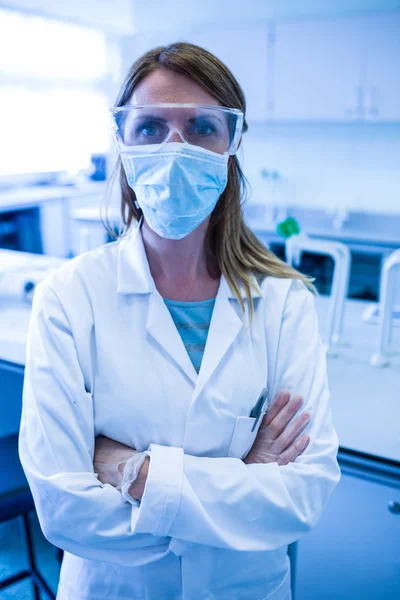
[176,187]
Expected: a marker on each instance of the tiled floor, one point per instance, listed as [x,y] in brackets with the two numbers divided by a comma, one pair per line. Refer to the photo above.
[13,558]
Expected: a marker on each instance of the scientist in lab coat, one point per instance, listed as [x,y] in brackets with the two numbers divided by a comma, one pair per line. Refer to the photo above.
[145,360]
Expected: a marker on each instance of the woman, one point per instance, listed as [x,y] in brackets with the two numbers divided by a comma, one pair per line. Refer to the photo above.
[149,462]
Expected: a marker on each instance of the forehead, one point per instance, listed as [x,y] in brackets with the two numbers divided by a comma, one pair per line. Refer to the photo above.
[164,85]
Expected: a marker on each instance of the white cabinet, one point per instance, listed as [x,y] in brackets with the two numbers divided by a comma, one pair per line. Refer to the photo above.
[342,69]
[382,86]
[354,550]
[317,69]
[246,52]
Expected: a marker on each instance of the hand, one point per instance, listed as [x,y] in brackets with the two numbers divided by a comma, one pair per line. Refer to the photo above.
[109,459]
[275,443]
[137,488]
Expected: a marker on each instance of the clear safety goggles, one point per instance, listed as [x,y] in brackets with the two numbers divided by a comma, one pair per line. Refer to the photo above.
[214,128]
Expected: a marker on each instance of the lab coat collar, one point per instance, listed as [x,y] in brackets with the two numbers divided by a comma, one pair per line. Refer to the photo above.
[134,277]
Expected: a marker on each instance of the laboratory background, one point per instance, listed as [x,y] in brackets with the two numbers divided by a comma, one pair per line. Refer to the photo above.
[322,158]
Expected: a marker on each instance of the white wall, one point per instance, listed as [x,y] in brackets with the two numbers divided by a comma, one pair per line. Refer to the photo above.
[158,15]
[127,17]
[349,166]
[113,16]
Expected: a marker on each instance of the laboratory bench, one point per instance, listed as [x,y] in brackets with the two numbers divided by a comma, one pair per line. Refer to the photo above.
[362,230]
[371,238]
[37,218]
[21,197]
[354,549]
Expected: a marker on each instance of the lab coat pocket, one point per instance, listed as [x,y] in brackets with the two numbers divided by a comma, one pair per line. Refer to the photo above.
[243,436]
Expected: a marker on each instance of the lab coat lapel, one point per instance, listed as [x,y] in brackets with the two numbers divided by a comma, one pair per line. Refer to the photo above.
[134,277]
[225,326]
[161,327]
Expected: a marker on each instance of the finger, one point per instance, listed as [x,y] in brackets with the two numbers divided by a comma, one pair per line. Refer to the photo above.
[294,451]
[290,434]
[280,401]
[278,424]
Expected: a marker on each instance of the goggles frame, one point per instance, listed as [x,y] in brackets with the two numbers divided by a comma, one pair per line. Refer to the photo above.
[121,147]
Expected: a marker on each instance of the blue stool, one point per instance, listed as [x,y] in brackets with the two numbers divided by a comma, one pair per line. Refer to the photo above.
[16,501]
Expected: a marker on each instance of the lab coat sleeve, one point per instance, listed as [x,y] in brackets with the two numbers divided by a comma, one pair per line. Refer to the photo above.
[56,446]
[226,503]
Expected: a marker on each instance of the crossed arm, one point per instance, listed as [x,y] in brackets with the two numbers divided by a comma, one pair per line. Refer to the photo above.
[275,442]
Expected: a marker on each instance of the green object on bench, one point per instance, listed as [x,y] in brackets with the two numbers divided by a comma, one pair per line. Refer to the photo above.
[288,227]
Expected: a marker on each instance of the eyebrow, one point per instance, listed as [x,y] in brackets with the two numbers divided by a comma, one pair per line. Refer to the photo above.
[154,117]
[162,120]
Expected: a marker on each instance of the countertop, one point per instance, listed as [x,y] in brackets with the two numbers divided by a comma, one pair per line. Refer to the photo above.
[14,315]
[365,401]
[19,198]
[358,229]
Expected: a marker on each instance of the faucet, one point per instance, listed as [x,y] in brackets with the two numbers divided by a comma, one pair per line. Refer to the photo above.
[386,300]
[340,253]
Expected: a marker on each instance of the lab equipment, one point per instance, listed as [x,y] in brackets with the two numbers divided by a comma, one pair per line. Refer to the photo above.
[288,227]
[214,128]
[20,285]
[99,162]
[372,314]
[20,272]
[20,226]
[390,270]
[295,244]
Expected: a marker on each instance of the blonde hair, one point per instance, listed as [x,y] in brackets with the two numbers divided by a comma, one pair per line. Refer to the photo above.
[230,243]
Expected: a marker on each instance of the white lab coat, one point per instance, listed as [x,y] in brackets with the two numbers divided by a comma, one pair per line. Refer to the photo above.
[104,357]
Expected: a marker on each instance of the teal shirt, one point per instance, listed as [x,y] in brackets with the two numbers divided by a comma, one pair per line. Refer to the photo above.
[192,320]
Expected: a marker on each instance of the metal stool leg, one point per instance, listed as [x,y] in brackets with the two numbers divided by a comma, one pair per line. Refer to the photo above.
[59,554]
[37,580]
[292,553]
[26,535]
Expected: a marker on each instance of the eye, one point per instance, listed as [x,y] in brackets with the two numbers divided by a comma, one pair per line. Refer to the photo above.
[152,129]
[148,129]
[202,127]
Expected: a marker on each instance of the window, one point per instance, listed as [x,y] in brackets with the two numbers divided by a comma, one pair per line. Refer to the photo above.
[53,94]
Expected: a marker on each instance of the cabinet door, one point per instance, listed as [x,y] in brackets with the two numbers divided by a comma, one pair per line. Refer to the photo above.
[383,67]
[11,385]
[245,51]
[354,550]
[54,225]
[318,67]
